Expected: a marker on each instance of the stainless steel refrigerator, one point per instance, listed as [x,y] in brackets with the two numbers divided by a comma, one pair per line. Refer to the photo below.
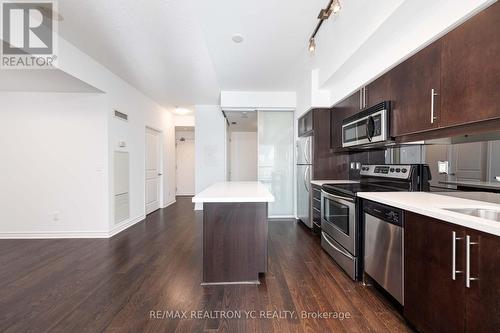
[304,176]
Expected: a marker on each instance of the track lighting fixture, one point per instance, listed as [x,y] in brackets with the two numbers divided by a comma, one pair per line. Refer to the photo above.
[333,7]
[312,45]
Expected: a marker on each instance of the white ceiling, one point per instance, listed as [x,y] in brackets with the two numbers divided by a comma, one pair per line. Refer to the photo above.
[180,52]
[276,32]
[155,45]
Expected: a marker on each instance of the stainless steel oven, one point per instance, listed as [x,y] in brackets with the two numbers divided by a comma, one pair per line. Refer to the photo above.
[339,230]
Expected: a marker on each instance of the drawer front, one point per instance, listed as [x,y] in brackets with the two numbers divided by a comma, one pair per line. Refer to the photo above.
[317,193]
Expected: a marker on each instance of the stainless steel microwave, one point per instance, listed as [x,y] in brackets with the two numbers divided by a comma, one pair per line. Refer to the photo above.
[367,128]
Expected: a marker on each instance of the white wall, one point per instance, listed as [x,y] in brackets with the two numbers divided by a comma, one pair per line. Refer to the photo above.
[243,156]
[54,161]
[210,147]
[261,100]
[184,121]
[143,112]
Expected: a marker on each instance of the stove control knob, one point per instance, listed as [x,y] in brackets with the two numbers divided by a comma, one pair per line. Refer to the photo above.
[398,170]
[404,170]
[392,169]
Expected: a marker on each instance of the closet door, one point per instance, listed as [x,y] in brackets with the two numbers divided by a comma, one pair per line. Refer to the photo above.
[276,159]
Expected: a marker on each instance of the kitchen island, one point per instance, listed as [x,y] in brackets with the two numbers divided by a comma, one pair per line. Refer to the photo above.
[234,232]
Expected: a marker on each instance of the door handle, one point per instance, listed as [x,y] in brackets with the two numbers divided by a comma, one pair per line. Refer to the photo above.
[454,240]
[160,174]
[468,278]
[433,96]
[306,171]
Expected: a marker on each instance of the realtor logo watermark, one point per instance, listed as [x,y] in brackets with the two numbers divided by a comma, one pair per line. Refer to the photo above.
[28,34]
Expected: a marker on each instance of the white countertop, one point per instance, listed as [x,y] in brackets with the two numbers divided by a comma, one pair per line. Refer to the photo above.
[235,192]
[432,205]
[473,183]
[322,182]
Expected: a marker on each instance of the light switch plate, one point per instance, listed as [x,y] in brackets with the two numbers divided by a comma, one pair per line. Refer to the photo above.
[353,165]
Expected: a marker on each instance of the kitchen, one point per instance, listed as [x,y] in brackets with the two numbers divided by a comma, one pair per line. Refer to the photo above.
[331,167]
[413,208]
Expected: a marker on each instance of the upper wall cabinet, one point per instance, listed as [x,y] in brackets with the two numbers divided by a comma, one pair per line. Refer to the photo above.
[378,91]
[306,124]
[344,109]
[415,89]
[471,70]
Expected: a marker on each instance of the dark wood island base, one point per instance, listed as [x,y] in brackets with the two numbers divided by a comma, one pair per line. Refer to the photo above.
[234,242]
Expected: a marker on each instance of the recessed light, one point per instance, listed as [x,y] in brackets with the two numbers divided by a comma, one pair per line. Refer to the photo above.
[238,38]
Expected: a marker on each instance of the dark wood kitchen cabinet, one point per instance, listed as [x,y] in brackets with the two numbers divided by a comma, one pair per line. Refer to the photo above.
[344,109]
[470,69]
[327,163]
[306,124]
[379,90]
[482,307]
[415,91]
[434,301]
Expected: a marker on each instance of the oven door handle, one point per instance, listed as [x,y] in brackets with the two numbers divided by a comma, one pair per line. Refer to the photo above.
[333,196]
[345,253]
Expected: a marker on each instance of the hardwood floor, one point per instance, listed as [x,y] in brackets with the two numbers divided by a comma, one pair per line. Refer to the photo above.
[91,285]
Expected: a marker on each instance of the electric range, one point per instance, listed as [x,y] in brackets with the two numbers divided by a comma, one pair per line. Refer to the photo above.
[341,231]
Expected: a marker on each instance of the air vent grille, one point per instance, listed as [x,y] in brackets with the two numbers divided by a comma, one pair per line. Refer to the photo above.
[121,115]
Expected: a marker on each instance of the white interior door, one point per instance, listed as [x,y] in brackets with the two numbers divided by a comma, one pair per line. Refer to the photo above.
[243,156]
[153,170]
[185,167]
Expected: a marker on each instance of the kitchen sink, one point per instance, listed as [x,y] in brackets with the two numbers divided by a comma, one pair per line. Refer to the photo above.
[488,214]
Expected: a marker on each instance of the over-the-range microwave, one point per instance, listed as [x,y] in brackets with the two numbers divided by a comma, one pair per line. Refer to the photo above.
[369,127]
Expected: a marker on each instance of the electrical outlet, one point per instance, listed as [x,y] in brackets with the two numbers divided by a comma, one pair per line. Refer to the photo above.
[56,216]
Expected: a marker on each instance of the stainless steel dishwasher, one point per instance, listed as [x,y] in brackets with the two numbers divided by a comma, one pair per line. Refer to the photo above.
[384,246]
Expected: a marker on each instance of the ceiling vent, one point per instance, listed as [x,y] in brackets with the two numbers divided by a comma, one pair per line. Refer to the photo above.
[121,115]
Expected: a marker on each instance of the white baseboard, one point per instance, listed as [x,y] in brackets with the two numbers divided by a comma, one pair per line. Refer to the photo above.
[125,225]
[281,217]
[198,206]
[169,203]
[54,235]
[73,234]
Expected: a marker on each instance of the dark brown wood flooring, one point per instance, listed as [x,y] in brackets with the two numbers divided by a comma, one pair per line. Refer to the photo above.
[94,285]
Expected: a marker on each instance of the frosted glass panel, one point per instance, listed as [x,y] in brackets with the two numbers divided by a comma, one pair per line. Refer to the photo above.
[276,151]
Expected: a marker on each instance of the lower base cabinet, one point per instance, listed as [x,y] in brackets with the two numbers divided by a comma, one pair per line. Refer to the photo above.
[452,277]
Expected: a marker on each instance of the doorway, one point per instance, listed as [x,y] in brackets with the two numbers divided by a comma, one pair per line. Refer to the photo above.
[153,170]
[242,146]
[185,154]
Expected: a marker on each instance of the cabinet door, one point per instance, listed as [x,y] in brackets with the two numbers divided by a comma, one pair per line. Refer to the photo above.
[471,70]
[414,108]
[379,90]
[483,295]
[306,124]
[344,109]
[434,302]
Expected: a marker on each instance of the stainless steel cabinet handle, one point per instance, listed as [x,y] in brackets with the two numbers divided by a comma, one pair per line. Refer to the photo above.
[468,244]
[433,95]
[361,98]
[454,271]
[364,97]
